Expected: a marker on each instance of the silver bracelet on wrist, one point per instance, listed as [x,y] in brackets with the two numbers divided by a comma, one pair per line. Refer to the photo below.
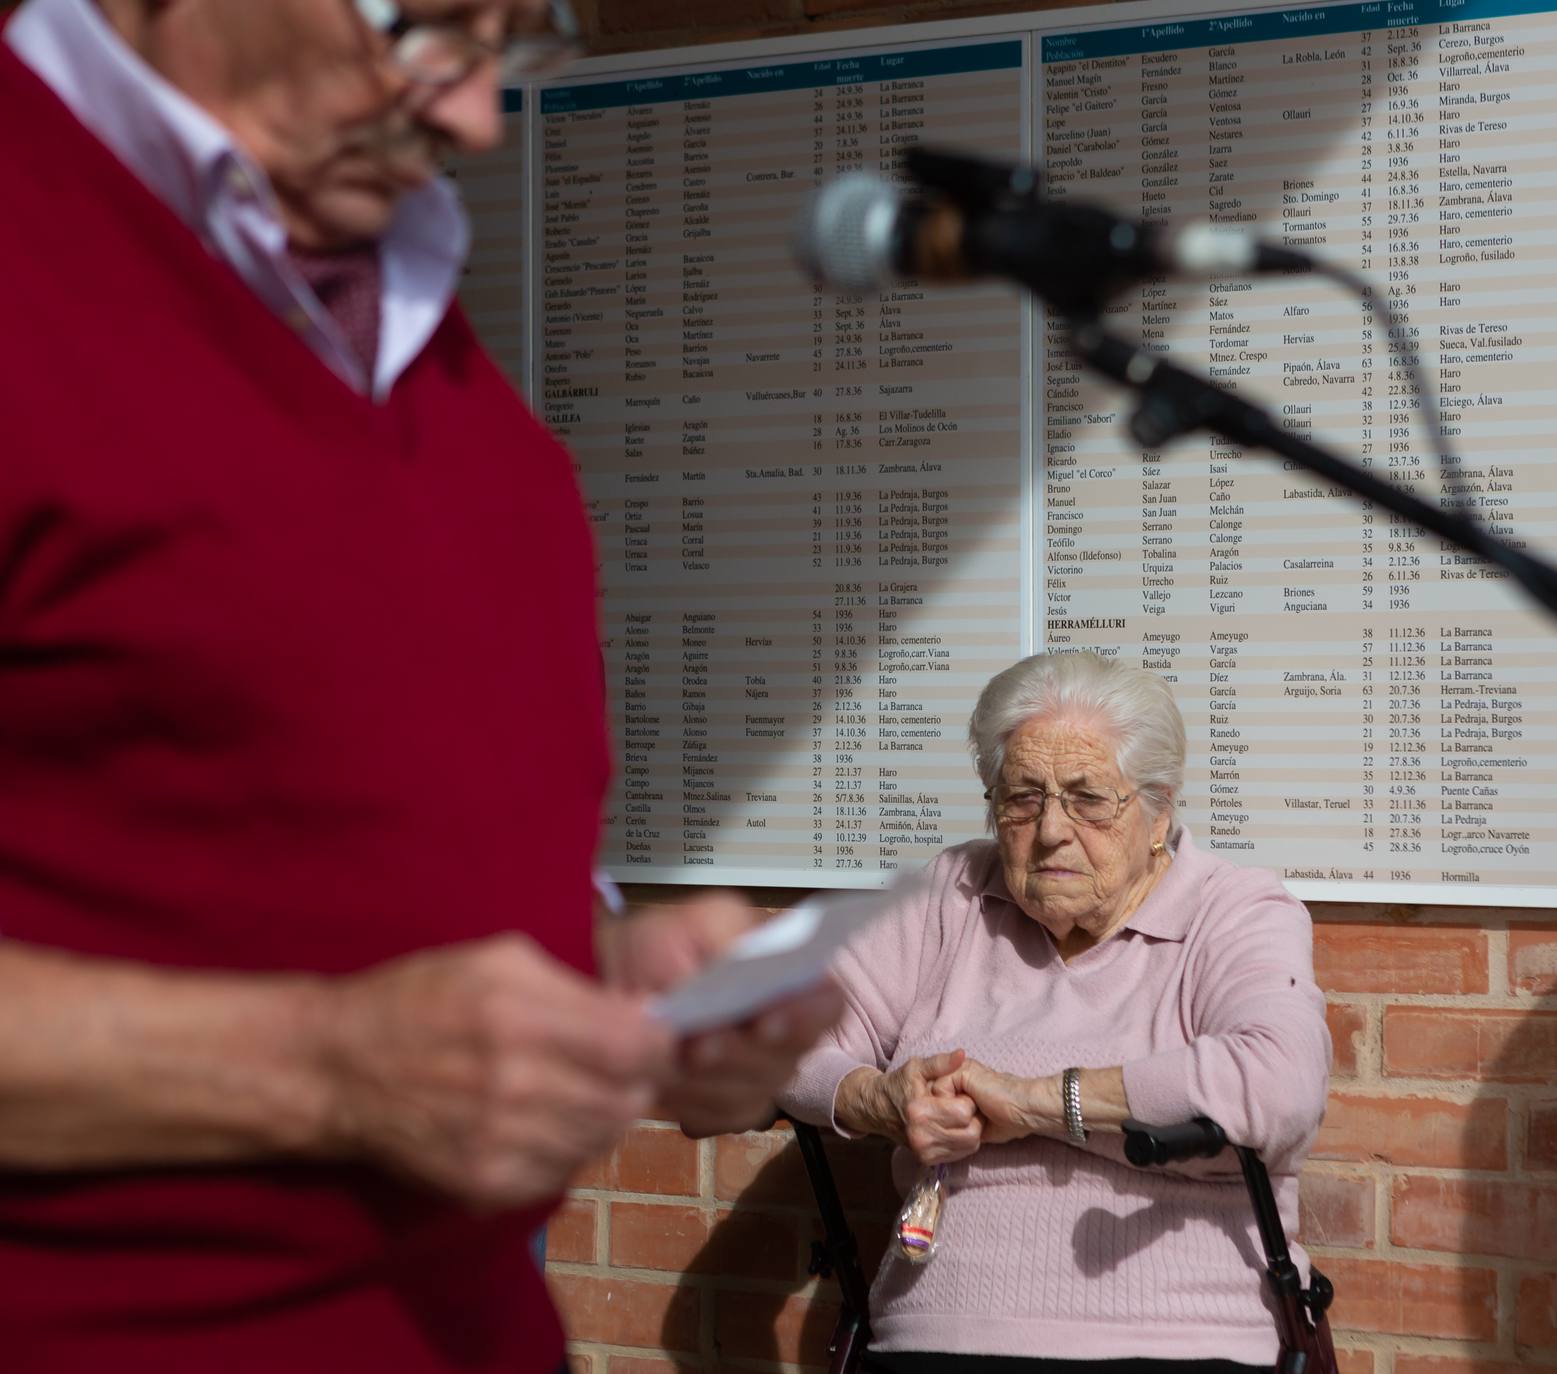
[1070,1093]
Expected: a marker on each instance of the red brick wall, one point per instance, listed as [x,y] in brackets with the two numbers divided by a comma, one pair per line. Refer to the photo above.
[623,25]
[1432,1193]
[1431,1199]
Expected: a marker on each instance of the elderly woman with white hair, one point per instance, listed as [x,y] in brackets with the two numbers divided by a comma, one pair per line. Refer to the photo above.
[1088,965]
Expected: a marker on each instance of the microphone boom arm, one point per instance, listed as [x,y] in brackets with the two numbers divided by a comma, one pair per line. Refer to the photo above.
[1175,401]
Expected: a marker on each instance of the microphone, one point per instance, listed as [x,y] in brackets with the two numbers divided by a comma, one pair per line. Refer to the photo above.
[861,233]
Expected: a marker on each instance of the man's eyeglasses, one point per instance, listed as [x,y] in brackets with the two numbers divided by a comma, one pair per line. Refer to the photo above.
[443,53]
[1087,805]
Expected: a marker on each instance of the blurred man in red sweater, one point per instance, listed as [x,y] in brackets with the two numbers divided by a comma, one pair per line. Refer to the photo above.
[302,749]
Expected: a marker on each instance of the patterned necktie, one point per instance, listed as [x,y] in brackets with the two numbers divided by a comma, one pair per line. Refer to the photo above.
[349,284]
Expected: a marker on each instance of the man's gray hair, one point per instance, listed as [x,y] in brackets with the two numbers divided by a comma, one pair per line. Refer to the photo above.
[1136,706]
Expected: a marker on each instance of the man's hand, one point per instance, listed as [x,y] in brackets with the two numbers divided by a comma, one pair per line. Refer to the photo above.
[727,1079]
[487,1069]
[730,1078]
[659,946]
[905,1105]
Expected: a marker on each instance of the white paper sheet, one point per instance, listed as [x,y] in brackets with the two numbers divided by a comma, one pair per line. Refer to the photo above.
[782,957]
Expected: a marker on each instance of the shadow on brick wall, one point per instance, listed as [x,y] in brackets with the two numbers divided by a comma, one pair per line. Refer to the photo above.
[753,1269]
[1433,1189]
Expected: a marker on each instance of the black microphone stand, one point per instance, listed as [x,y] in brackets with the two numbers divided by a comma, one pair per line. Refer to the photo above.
[1175,402]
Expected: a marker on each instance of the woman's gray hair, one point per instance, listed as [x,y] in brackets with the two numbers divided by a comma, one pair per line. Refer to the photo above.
[1137,706]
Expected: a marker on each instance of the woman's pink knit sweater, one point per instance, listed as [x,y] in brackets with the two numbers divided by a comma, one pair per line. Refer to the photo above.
[1206,997]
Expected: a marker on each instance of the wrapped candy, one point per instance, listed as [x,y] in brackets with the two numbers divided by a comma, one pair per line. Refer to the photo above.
[921,1214]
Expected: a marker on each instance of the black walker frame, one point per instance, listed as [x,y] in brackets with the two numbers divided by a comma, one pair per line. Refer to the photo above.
[1304,1328]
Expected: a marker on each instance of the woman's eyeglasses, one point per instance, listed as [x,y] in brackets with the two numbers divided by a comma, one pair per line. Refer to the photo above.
[1088,805]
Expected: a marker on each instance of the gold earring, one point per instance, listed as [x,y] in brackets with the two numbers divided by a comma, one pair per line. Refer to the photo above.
[1158,847]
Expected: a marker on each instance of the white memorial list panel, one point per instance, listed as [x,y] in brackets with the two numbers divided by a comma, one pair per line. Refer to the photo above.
[1370,710]
[808,507]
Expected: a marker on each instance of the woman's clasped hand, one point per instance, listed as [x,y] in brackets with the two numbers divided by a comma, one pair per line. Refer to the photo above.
[943,1107]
